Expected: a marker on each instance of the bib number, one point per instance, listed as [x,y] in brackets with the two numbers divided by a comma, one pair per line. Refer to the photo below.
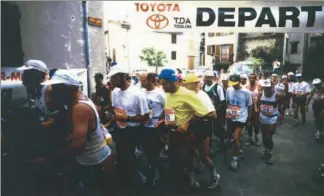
[169,116]
[233,112]
[266,108]
[121,112]
[299,92]
[318,96]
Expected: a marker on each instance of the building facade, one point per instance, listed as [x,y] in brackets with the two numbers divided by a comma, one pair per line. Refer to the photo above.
[52,32]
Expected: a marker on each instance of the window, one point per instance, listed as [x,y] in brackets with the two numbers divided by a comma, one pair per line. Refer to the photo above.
[211,34]
[173,55]
[225,53]
[294,47]
[173,38]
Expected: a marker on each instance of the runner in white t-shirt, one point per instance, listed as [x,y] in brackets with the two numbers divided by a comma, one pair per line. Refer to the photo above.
[131,109]
[153,137]
[203,127]
[300,90]
[238,113]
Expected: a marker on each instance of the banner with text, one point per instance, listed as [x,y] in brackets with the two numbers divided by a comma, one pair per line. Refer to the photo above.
[228,16]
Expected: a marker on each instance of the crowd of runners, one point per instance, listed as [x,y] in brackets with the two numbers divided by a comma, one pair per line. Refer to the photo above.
[165,116]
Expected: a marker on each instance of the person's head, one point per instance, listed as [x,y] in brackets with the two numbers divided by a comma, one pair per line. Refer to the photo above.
[209,77]
[274,77]
[267,86]
[252,78]
[65,87]
[284,78]
[259,76]
[34,72]
[119,76]
[148,80]
[243,79]
[192,82]
[234,81]
[179,71]
[168,80]
[299,77]
[317,83]
[225,79]
[98,79]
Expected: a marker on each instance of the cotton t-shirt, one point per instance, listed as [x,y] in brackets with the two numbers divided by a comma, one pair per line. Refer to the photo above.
[220,91]
[300,88]
[156,102]
[184,104]
[238,103]
[318,95]
[132,101]
[206,100]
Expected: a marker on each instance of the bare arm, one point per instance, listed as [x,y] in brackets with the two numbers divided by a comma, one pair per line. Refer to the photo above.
[81,114]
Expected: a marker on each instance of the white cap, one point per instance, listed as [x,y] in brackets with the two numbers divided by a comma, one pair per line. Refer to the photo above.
[317,81]
[284,76]
[118,69]
[224,77]
[244,76]
[291,74]
[34,64]
[209,73]
[63,76]
[298,75]
[274,75]
[266,83]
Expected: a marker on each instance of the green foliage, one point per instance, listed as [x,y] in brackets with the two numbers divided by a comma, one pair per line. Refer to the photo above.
[264,55]
[153,57]
[257,62]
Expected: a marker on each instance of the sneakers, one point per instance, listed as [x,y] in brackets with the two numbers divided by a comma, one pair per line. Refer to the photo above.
[141,178]
[214,181]
[155,179]
[296,123]
[192,183]
[317,135]
[291,112]
[257,141]
[269,159]
[234,164]
[287,113]
[264,153]
[249,142]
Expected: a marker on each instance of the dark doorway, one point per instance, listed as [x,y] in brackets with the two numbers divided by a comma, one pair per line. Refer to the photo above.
[11,49]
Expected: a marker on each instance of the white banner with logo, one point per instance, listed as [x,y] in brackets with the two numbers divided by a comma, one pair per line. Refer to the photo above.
[228,16]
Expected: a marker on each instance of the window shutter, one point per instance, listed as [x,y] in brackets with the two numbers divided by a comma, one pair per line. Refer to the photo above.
[209,50]
[217,53]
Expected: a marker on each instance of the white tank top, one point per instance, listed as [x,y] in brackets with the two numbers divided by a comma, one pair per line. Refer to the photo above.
[269,105]
[95,150]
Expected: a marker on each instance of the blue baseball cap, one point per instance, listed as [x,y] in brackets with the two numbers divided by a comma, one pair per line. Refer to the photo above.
[169,75]
[113,63]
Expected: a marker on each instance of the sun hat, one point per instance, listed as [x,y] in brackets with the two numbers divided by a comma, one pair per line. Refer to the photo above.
[234,80]
[298,75]
[209,74]
[291,74]
[274,75]
[244,76]
[168,74]
[317,81]
[284,76]
[191,78]
[34,64]
[63,76]
[224,77]
[266,83]
[118,69]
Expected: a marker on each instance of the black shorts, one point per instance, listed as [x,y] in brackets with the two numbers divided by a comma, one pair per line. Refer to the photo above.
[202,129]
[300,101]
[235,124]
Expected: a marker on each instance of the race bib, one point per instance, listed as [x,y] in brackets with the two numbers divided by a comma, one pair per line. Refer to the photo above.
[299,92]
[233,112]
[266,108]
[169,116]
[318,96]
[121,112]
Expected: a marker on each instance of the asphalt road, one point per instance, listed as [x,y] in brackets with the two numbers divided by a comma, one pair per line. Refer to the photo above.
[296,154]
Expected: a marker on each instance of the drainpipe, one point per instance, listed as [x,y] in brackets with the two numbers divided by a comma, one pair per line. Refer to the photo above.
[86,47]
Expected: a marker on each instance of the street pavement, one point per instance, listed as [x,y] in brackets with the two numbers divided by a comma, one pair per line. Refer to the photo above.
[297,156]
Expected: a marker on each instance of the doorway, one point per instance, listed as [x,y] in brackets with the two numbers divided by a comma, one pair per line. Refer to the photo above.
[11,48]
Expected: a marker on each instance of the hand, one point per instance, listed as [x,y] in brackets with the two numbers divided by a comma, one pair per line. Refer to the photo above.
[159,123]
[121,118]
[184,127]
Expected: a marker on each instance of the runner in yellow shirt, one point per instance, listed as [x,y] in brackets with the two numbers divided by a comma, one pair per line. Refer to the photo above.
[181,106]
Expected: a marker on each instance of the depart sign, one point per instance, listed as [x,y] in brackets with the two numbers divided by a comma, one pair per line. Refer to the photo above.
[225,16]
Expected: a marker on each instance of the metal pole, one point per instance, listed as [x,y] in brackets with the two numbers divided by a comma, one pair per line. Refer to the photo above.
[128,52]
[86,47]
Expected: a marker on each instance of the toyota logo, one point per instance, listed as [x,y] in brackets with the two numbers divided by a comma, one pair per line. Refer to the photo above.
[157,21]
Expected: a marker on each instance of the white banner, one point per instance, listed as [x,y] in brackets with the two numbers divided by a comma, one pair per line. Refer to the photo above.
[228,16]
